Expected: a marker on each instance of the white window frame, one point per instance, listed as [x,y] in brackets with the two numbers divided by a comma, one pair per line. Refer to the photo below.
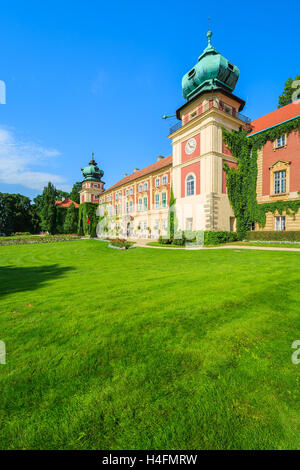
[280,223]
[146,186]
[131,190]
[156,201]
[165,179]
[280,182]
[280,141]
[130,206]
[140,188]
[157,182]
[162,200]
[189,223]
[145,206]
[187,190]
[140,206]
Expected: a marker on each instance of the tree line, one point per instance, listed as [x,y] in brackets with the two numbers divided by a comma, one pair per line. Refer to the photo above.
[19,214]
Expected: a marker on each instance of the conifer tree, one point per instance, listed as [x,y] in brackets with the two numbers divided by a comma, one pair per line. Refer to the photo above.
[48,209]
[70,224]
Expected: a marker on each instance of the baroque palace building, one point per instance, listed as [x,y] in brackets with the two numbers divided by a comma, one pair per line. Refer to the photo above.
[138,204]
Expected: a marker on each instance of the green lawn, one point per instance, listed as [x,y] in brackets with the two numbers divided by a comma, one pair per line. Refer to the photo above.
[148,349]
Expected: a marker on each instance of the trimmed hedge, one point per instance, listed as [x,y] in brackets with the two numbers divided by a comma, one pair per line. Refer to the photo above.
[209,238]
[219,237]
[276,235]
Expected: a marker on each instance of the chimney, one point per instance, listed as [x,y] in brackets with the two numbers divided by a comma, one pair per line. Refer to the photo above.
[160,157]
[135,170]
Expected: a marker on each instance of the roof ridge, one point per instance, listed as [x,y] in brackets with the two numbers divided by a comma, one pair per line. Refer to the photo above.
[143,172]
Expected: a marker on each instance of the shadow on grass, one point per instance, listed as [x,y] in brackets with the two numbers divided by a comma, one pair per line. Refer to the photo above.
[16,279]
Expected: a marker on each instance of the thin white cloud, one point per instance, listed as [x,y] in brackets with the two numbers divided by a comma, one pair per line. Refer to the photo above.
[18,159]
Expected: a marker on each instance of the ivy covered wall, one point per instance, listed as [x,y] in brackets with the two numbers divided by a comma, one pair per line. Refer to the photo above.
[87,219]
[241,181]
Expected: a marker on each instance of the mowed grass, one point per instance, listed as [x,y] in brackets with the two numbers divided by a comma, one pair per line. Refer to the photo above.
[148,349]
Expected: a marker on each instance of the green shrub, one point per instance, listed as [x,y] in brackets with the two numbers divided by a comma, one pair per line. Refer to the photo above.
[121,243]
[164,241]
[276,235]
[179,241]
[219,237]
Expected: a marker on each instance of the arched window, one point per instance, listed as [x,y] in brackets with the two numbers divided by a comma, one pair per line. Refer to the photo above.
[190,185]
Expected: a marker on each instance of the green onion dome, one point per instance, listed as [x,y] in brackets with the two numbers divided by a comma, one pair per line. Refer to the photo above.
[211,72]
[92,172]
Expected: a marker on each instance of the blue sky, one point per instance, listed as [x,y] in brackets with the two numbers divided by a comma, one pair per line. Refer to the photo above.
[85,76]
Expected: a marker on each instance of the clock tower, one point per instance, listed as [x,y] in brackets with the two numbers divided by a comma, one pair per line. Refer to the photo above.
[199,152]
[92,185]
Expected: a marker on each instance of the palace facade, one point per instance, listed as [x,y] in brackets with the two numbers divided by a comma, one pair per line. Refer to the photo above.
[138,204]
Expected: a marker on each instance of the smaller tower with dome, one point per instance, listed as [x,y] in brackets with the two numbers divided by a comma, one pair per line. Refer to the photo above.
[92,185]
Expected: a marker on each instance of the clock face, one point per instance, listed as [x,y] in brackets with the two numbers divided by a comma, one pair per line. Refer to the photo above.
[190,146]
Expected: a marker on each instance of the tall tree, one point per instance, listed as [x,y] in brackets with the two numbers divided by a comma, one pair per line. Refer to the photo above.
[71,220]
[18,213]
[3,216]
[291,91]
[48,209]
[61,195]
[74,194]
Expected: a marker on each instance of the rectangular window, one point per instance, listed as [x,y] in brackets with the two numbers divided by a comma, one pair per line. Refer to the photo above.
[164,179]
[189,223]
[280,223]
[127,207]
[145,186]
[280,182]
[127,192]
[145,225]
[131,206]
[164,200]
[131,190]
[140,205]
[156,201]
[145,203]
[116,210]
[281,141]
[140,188]
[157,182]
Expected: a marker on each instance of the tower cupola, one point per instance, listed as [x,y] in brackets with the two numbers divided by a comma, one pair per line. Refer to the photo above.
[92,172]
[211,72]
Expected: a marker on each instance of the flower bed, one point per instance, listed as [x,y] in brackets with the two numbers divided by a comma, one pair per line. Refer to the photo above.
[120,244]
[36,239]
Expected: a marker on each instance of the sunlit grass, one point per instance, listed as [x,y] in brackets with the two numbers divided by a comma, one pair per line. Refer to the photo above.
[148,349]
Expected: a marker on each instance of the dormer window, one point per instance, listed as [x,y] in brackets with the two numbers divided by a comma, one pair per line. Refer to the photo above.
[230,66]
[191,73]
